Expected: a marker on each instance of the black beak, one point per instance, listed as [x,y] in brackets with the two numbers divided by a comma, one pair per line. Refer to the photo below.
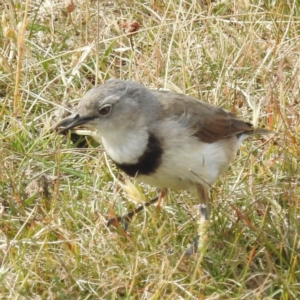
[70,122]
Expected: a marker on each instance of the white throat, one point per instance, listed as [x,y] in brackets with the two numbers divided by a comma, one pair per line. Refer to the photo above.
[125,147]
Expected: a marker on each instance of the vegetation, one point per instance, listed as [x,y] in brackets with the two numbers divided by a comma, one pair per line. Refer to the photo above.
[56,198]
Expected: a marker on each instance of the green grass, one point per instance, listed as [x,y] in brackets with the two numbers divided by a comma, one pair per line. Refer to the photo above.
[55,199]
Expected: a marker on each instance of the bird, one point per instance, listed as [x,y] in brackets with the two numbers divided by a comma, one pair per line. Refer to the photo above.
[162,138]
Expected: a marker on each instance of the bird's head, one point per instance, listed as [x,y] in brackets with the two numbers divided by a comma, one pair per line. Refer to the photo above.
[116,106]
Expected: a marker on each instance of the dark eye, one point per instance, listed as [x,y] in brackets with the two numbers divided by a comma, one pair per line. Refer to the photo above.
[105,109]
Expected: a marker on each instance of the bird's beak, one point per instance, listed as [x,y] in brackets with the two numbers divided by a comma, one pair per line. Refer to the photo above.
[70,122]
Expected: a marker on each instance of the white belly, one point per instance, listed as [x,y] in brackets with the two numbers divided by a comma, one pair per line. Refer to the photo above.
[187,161]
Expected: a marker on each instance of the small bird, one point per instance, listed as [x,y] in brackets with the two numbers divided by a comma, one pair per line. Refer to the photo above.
[162,138]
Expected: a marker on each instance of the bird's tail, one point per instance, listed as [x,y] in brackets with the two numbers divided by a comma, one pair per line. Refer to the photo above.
[261,131]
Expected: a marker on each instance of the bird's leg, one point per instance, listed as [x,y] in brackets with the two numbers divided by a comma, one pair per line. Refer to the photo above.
[127,218]
[204,206]
[161,195]
[199,243]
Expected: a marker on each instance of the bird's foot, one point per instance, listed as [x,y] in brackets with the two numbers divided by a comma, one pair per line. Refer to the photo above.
[199,244]
[116,221]
[125,220]
[193,249]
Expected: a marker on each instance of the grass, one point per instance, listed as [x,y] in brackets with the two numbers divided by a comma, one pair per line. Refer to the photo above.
[56,199]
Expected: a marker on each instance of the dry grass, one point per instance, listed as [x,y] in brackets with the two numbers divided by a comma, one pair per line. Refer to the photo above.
[55,199]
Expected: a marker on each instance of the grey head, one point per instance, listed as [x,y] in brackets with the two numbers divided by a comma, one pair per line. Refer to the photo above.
[120,114]
[113,106]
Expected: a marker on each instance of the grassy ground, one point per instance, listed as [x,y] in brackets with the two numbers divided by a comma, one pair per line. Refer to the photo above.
[55,199]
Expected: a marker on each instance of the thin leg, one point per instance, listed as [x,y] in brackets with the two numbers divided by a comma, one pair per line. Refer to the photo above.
[127,218]
[161,195]
[204,202]
[199,243]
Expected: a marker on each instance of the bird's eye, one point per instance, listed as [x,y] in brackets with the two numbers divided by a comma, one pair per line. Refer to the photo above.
[105,109]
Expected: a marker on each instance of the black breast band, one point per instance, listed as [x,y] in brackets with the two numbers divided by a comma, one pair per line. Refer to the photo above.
[148,162]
